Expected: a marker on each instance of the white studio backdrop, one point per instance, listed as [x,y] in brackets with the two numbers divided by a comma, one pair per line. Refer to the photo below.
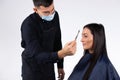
[74,14]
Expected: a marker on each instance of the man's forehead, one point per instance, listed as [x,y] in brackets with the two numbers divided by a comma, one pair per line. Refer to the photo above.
[51,7]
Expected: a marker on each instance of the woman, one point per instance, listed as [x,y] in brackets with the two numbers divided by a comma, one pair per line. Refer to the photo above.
[95,64]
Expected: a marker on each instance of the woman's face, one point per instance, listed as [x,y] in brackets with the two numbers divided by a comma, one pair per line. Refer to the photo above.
[87,40]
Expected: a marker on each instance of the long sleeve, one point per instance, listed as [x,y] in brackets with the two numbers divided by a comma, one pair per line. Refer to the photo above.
[32,45]
[58,45]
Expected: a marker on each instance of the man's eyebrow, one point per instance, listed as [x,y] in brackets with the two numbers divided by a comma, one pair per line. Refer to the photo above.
[46,11]
[49,11]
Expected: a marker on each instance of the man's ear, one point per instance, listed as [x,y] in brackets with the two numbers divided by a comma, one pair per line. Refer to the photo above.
[35,9]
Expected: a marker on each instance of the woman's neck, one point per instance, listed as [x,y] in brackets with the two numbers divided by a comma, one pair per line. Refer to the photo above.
[91,51]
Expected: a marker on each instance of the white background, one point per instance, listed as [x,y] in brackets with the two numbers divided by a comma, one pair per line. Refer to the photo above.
[74,14]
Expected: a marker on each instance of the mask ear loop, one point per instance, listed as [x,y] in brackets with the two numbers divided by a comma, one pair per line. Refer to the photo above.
[77,34]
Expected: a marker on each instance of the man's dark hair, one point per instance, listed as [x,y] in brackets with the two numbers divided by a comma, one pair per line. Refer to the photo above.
[45,3]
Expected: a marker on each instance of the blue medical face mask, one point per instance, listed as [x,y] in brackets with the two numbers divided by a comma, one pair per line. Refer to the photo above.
[49,17]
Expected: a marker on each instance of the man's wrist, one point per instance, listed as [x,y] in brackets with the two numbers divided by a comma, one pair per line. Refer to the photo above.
[61,54]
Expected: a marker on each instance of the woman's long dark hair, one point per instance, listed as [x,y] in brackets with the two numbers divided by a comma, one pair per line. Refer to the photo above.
[99,45]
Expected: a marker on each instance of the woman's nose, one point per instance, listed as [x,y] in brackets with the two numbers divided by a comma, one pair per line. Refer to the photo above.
[81,40]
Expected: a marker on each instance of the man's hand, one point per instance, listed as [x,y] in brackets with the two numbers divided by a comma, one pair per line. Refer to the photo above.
[68,50]
[61,74]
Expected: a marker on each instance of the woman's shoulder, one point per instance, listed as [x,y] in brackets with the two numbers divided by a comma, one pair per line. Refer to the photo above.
[103,59]
[111,71]
[104,63]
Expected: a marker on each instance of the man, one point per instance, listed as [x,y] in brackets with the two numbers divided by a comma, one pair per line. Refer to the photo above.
[41,40]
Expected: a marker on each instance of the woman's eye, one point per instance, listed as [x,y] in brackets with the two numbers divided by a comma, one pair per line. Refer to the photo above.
[85,36]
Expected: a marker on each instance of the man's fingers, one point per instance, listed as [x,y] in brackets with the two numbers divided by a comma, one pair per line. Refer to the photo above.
[72,44]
